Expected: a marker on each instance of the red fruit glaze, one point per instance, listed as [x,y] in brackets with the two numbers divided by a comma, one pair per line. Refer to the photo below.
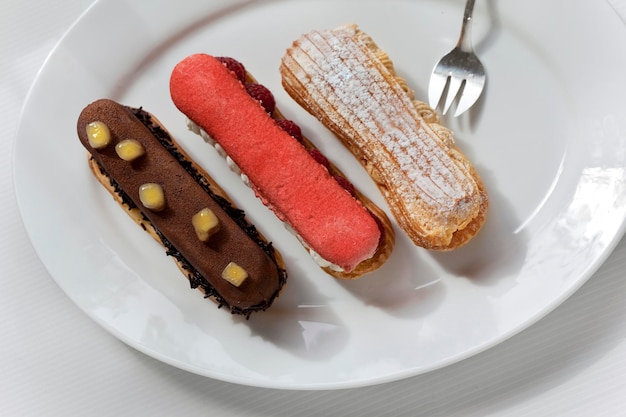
[290,182]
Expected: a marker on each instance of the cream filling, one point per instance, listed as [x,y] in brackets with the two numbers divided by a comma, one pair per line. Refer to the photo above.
[191,125]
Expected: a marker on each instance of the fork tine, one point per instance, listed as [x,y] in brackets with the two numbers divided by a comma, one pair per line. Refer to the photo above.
[470,94]
[453,91]
[436,88]
[460,72]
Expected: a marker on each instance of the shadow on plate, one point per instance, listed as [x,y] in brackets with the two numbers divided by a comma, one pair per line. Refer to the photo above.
[406,286]
[302,320]
[497,251]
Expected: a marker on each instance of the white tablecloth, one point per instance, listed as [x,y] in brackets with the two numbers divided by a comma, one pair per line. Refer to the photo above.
[55,361]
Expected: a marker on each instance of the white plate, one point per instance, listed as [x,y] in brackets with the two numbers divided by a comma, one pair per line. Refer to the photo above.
[548,137]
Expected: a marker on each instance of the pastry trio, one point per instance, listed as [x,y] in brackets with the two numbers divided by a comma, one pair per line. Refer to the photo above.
[343,79]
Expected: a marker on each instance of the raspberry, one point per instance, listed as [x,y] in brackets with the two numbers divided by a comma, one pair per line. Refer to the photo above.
[319,157]
[346,184]
[234,66]
[291,128]
[262,94]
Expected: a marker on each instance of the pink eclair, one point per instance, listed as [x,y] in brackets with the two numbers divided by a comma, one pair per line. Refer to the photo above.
[344,231]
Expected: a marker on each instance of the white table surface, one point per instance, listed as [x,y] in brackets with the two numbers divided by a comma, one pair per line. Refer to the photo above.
[55,361]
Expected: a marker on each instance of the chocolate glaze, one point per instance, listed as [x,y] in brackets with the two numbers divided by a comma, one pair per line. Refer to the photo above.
[187,191]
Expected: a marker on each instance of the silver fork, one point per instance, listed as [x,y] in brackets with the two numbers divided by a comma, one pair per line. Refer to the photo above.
[459,72]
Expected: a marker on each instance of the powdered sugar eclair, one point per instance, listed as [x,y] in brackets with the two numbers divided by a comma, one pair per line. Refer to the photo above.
[346,81]
[342,229]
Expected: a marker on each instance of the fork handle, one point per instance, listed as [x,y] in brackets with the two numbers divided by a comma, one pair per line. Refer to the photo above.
[465,42]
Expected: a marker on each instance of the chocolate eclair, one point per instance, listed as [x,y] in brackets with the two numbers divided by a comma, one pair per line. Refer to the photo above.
[220,252]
